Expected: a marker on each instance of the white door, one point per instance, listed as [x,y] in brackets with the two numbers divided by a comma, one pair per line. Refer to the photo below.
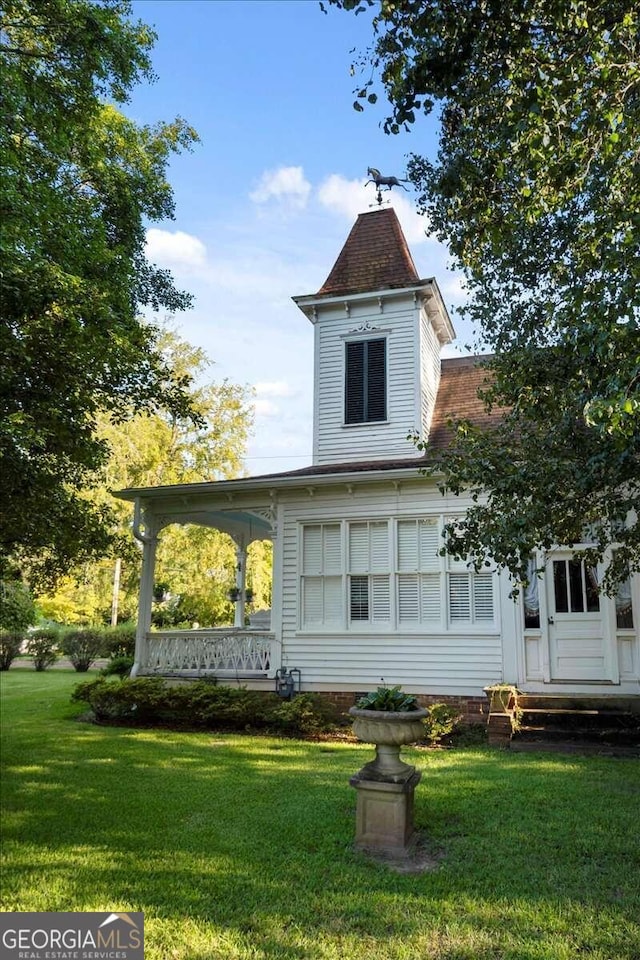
[578,640]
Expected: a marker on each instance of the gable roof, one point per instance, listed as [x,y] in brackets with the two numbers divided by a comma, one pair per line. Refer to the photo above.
[375,257]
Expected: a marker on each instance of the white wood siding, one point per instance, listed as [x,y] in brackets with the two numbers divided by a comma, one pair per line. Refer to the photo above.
[397,321]
[455,661]
[429,371]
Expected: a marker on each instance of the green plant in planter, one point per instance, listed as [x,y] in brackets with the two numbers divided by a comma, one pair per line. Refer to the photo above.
[389,699]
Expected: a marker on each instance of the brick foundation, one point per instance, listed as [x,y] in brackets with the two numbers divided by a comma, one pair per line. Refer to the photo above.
[472,709]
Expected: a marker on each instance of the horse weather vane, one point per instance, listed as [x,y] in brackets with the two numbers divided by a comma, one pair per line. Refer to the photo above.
[380,181]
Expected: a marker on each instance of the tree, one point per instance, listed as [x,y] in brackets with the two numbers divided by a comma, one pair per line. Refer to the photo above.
[536,190]
[79,182]
[196,564]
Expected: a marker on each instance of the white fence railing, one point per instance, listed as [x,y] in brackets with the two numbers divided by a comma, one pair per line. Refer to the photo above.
[230,651]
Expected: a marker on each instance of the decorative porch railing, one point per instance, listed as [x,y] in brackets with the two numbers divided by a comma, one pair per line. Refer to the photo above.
[227,651]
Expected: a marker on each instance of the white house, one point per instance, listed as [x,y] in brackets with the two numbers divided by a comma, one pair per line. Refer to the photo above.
[360,591]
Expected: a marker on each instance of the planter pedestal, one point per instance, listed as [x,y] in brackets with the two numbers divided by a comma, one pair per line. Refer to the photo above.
[384,814]
[386,785]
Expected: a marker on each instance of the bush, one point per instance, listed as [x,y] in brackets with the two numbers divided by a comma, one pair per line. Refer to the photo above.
[137,700]
[307,713]
[118,667]
[42,645]
[17,609]
[82,647]
[119,641]
[10,646]
[148,700]
[441,722]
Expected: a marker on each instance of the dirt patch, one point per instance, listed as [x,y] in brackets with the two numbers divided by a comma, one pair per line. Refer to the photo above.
[422,858]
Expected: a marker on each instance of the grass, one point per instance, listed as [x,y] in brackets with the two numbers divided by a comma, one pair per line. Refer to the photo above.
[238,847]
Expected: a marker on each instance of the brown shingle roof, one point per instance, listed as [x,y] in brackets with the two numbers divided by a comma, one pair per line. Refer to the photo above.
[374,257]
[460,380]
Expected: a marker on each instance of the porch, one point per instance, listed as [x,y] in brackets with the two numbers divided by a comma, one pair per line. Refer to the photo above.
[227,653]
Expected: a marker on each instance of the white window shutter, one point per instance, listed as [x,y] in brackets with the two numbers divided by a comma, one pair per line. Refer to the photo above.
[312,550]
[408,598]
[333,600]
[459,598]
[429,535]
[483,597]
[430,598]
[380,599]
[312,600]
[408,557]
[358,548]
[332,547]
[379,547]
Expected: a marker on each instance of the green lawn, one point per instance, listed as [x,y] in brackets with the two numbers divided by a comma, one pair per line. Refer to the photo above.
[240,847]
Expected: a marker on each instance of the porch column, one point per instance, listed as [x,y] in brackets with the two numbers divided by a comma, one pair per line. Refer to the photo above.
[149,542]
[241,576]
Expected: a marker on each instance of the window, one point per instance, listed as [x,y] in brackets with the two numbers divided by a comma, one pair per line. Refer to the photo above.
[470,598]
[531,597]
[388,574]
[321,588]
[369,572]
[575,587]
[365,381]
[419,576]
[624,606]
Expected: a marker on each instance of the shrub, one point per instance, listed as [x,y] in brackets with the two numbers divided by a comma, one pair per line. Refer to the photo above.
[17,609]
[307,714]
[441,721]
[218,705]
[141,700]
[118,667]
[82,647]
[148,700]
[10,645]
[119,641]
[42,645]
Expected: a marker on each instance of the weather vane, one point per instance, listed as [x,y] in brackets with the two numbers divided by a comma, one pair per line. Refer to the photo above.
[380,181]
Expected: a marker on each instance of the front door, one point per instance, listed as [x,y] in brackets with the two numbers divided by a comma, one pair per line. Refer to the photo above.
[578,641]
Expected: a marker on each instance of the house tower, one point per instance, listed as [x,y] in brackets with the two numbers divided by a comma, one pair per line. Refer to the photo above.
[379,330]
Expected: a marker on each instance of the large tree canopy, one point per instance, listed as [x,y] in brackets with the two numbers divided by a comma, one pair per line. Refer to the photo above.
[79,182]
[536,190]
[197,564]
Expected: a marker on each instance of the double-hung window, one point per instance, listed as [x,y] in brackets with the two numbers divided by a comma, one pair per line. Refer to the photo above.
[419,571]
[321,584]
[470,594]
[369,572]
[389,574]
[365,381]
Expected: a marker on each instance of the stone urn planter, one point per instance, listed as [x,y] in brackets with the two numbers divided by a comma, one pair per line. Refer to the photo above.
[389,731]
[386,785]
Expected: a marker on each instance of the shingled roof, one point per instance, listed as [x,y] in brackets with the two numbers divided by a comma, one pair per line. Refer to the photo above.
[374,257]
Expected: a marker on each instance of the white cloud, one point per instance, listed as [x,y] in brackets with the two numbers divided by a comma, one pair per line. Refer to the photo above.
[178,249]
[285,183]
[266,408]
[343,196]
[274,388]
[348,198]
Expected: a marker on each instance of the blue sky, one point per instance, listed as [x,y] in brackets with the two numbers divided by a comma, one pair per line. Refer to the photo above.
[266,200]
